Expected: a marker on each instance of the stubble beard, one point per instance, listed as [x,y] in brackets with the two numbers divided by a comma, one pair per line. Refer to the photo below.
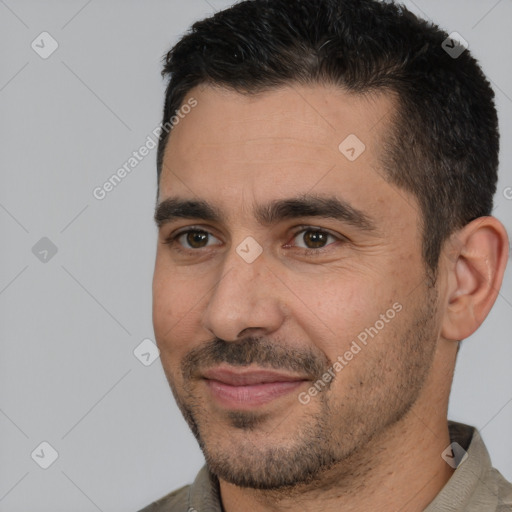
[329,436]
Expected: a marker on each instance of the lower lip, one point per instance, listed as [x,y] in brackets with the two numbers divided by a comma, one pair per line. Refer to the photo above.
[250,396]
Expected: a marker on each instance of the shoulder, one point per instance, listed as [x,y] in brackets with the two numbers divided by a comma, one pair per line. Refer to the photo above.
[503,491]
[175,501]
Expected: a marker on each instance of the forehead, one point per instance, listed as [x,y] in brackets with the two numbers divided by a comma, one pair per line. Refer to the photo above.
[281,143]
[315,115]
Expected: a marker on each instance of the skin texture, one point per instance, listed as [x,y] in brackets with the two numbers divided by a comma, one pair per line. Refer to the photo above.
[373,437]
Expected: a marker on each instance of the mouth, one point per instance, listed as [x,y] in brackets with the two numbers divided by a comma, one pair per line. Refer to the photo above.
[246,388]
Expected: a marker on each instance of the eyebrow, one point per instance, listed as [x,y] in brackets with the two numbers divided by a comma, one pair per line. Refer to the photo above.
[269,214]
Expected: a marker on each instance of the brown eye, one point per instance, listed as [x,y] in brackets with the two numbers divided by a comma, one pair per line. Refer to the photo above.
[197,239]
[194,239]
[313,239]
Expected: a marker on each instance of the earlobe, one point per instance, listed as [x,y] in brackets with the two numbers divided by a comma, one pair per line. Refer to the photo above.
[478,254]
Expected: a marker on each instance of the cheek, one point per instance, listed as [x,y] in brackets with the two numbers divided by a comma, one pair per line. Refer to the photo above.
[339,300]
[333,313]
[172,324]
[174,309]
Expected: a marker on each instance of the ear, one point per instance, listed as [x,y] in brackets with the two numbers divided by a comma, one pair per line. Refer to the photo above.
[478,256]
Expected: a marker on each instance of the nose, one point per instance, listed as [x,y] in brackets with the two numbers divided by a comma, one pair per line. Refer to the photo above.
[244,301]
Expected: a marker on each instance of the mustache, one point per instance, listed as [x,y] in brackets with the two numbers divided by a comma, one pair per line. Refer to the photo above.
[253,350]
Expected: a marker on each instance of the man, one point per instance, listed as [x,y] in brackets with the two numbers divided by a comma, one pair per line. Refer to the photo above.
[325,242]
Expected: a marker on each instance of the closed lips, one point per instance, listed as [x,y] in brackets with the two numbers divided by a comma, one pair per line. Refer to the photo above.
[233,377]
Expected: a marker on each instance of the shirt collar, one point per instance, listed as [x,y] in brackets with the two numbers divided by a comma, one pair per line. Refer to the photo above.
[469,488]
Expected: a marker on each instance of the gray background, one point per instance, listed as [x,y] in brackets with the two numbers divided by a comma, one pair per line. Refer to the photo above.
[69,326]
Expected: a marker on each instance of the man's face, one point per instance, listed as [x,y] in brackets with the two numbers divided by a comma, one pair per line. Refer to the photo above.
[296,323]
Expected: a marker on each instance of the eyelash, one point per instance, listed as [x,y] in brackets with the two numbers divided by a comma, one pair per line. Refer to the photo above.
[172,240]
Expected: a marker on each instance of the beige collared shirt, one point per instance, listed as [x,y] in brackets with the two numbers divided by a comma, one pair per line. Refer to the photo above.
[475,486]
